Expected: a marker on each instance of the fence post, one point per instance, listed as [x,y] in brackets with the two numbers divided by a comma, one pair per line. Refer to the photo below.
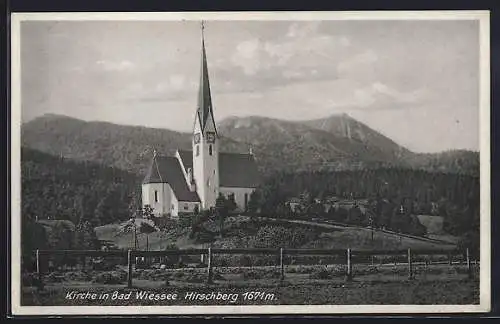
[349,266]
[282,266]
[209,264]
[39,271]
[469,270]
[449,259]
[38,262]
[129,266]
[410,272]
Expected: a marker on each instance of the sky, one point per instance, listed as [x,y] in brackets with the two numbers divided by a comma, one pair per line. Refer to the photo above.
[416,82]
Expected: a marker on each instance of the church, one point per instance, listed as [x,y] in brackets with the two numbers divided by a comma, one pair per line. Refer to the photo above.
[193,179]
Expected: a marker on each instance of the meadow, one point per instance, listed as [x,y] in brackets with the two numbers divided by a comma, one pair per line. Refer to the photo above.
[371,284]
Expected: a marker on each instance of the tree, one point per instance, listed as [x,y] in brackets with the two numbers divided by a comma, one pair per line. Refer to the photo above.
[231,203]
[341,215]
[85,236]
[220,211]
[255,201]
[134,207]
[355,216]
[81,209]
[331,213]
[316,209]
[146,228]
[147,212]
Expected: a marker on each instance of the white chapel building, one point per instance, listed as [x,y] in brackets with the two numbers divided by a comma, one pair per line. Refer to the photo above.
[177,184]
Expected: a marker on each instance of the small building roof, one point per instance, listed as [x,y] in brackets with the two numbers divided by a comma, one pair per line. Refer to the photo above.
[167,169]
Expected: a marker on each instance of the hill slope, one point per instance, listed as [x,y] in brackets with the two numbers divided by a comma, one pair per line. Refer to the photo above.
[336,142]
[55,188]
[125,147]
[244,232]
[344,126]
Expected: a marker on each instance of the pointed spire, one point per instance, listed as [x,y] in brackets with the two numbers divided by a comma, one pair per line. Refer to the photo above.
[204,96]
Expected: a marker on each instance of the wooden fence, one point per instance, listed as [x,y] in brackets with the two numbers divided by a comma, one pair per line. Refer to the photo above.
[130,255]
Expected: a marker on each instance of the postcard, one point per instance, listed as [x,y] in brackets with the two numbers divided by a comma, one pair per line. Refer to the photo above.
[250,163]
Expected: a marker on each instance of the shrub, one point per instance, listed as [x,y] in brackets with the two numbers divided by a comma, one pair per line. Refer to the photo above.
[320,274]
[245,261]
[327,273]
[54,277]
[270,236]
[29,279]
[113,277]
[77,276]
[146,228]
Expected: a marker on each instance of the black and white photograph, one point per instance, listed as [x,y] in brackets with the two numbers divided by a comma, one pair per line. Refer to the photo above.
[244,162]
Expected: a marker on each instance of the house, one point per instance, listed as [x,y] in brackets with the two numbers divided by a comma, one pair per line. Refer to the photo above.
[294,203]
[193,179]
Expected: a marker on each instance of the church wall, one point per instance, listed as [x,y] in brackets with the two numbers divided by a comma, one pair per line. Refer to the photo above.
[164,197]
[239,195]
[174,206]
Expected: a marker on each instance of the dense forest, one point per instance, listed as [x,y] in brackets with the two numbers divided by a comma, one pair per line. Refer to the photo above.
[89,194]
[393,197]
[69,198]
[58,188]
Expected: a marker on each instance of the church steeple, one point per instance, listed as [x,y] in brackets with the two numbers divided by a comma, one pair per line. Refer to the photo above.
[205,140]
[204,109]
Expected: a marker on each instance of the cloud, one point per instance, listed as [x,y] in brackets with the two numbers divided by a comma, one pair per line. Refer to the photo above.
[249,56]
[302,30]
[122,65]
[380,96]
[301,50]
[172,87]
[359,61]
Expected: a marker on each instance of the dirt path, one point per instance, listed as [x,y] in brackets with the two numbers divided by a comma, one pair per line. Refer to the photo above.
[343,227]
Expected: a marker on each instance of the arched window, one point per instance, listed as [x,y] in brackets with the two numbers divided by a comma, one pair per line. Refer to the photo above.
[210,149]
[197,150]
[156,195]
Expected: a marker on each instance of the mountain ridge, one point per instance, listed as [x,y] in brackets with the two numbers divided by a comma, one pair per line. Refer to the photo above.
[278,144]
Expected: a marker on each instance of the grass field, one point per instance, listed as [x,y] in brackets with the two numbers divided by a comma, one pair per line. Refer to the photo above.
[420,292]
[330,237]
[382,284]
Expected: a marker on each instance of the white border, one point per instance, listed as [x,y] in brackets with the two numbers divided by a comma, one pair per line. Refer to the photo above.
[485,281]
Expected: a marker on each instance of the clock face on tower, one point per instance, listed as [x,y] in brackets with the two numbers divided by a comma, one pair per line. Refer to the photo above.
[196,138]
[210,137]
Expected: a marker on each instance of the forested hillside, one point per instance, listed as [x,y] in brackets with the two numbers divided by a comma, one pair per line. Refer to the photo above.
[332,144]
[129,148]
[59,188]
[390,195]
[90,172]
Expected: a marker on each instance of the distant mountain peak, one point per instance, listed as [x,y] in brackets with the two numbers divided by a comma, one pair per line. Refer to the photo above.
[277,143]
[56,116]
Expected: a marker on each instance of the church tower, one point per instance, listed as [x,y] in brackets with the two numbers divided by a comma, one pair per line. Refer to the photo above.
[205,140]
